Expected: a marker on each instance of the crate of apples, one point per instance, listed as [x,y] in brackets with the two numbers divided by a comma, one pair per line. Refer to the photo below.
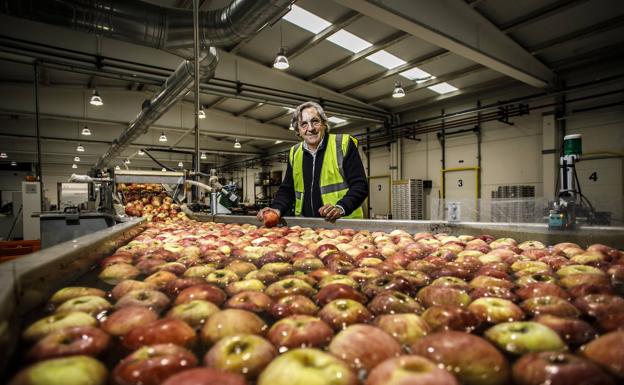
[150,201]
[210,303]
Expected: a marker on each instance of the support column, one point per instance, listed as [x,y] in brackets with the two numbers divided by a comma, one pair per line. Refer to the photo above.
[550,155]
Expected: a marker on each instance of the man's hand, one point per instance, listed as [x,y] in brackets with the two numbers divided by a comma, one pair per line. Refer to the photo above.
[331,212]
[261,215]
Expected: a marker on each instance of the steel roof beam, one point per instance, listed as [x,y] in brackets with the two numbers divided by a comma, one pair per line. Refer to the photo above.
[409,65]
[250,108]
[382,44]
[457,27]
[539,14]
[344,21]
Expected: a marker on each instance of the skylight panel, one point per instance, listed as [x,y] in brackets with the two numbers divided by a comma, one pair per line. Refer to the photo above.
[336,120]
[385,59]
[306,20]
[443,88]
[416,74]
[349,41]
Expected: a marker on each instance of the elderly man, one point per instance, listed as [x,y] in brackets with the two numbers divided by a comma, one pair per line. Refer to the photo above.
[325,176]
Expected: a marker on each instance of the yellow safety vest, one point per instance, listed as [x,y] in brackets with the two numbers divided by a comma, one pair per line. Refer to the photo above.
[333,184]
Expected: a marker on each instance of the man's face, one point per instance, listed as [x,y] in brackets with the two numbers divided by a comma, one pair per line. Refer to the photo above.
[311,127]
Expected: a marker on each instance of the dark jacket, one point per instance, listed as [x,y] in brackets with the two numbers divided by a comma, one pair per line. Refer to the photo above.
[355,176]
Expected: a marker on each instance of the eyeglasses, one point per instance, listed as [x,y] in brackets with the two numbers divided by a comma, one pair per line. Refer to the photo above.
[305,124]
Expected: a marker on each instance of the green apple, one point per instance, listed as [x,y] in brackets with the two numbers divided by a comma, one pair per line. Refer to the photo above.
[195,312]
[524,337]
[68,293]
[307,367]
[54,322]
[90,304]
[74,370]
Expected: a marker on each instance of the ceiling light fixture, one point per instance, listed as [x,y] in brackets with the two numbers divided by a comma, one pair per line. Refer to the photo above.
[3,155]
[74,165]
[279,141]
[281,61]
[76,159]
[163,169]
[96,99]
[291,128]
[13,163]
[163,137]
[140,152]
[201,114]
[203,156]
[85,131]
[80,148]
[237,144]
[127,161]
[398,92]
[180,164]
[117,168]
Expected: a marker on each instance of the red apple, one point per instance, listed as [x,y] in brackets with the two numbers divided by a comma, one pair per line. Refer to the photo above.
[250,300]
[205,376]
[364,346]
[473,360]
[162,331]
[151,365]
[203,291]
[608,352]
[450,317]
[270,218]
[151,299]
[343,312]
[404,328]
[229,322]
[299,331]
[392,302]
[82,340]
[336,291]
[291,305]
[123,320]
[407,370]
[571,330]
[195,313]
[556,368]
[128,285]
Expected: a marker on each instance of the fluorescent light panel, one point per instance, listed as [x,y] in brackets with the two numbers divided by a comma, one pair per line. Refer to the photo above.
[336,120]
[306,20]
[416,74]
[385,59]
[349,41]
[443,88]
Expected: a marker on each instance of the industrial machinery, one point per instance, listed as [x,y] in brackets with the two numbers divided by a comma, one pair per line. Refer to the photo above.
[570,204]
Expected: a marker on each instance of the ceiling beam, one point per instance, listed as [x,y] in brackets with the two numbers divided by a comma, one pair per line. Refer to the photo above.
[455,26]
[437,80]
[608,53]
[601,27]
[539,14]
[276,116]
[339,24]
[250,108]
[215,103]
[12,114]
[438,54]
[382,44]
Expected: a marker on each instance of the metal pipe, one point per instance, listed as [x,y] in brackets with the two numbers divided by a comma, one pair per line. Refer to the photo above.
[38,135]
[195,192]
[139,22]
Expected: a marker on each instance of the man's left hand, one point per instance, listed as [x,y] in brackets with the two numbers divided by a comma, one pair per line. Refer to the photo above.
[331,212]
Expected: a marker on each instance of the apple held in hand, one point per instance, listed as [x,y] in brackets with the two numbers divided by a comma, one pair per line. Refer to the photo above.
[406,370]
[81,340]
[307,367]
[364,346]
[151,365]
[245,354]
[270,218]
[524,337]
[557,368]
[74,370]
[472,359]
